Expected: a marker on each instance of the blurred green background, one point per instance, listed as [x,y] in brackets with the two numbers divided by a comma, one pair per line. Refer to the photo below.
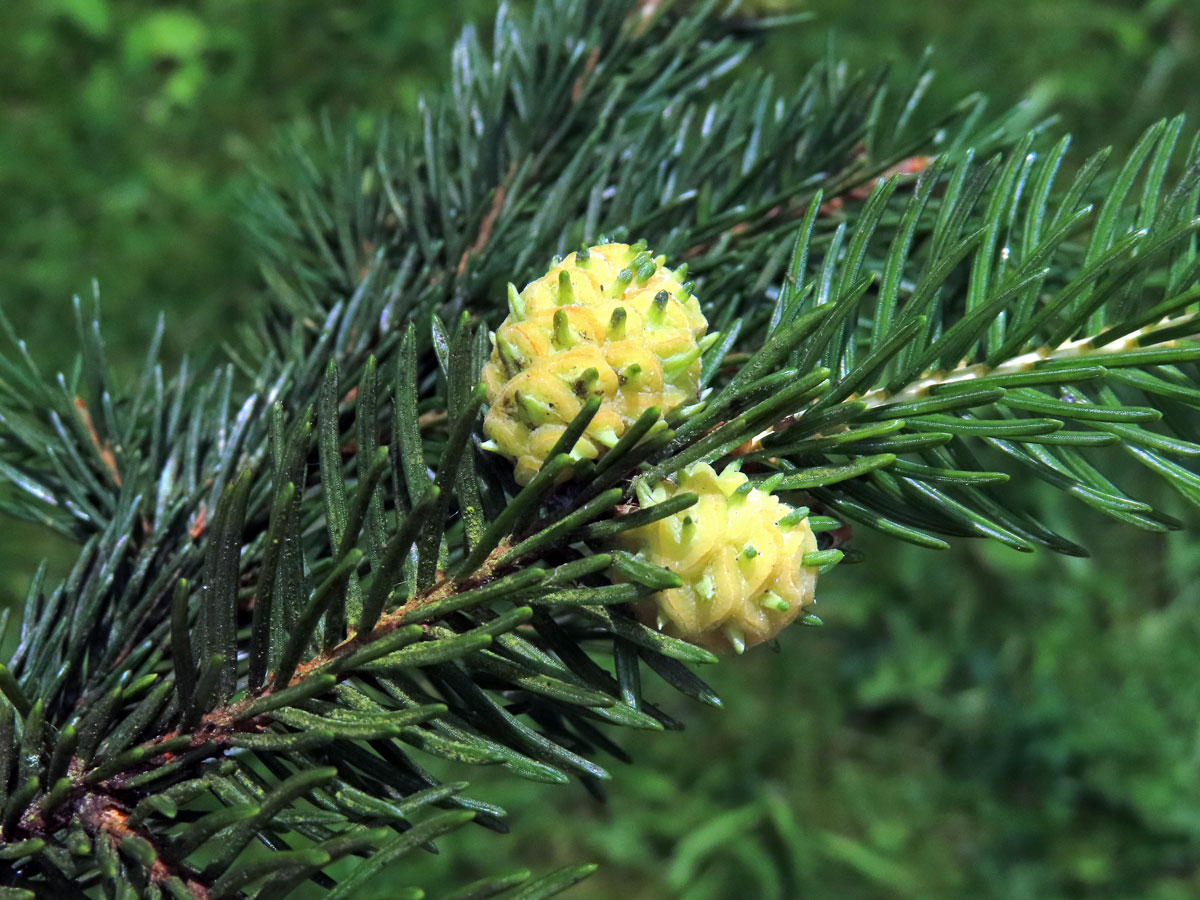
[975,723]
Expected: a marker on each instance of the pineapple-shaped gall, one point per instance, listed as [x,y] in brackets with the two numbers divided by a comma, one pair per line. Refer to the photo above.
[610,322]
[739,551]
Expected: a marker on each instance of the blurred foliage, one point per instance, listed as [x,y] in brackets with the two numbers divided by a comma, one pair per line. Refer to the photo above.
[128,130]
[1108,68]
[975,723]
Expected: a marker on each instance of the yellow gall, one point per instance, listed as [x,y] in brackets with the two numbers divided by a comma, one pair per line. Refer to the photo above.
[739,552]
[610,322]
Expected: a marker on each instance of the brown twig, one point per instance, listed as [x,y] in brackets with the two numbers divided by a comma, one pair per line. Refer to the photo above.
[488,222]
[105,819]
[104,450]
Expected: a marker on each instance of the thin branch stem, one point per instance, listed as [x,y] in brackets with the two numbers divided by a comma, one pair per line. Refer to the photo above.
[1071,350]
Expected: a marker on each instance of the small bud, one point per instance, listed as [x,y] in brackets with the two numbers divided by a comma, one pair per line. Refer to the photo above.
[566,294]
[644,270]
[644,494]
[587,380]
[656,312]
[606,436]
[538,411]
[687,529]
[772,601]
[512,360]
[516,304]
[582,450]
[673,365]
[794,518]
[562,329]
[736,638]
[616,325]
[623,278]
[771,482]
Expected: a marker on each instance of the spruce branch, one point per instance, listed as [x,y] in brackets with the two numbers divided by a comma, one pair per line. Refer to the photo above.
[303,591]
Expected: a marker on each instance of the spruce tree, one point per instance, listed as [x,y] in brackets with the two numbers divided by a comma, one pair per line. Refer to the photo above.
[306,580]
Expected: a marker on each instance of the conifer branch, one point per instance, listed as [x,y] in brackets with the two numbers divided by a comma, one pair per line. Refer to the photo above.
[300,574]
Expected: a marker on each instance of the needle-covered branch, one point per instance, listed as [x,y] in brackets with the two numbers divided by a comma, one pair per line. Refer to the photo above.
[305,590]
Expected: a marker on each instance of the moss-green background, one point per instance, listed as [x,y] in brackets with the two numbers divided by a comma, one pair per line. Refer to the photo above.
[969,724]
